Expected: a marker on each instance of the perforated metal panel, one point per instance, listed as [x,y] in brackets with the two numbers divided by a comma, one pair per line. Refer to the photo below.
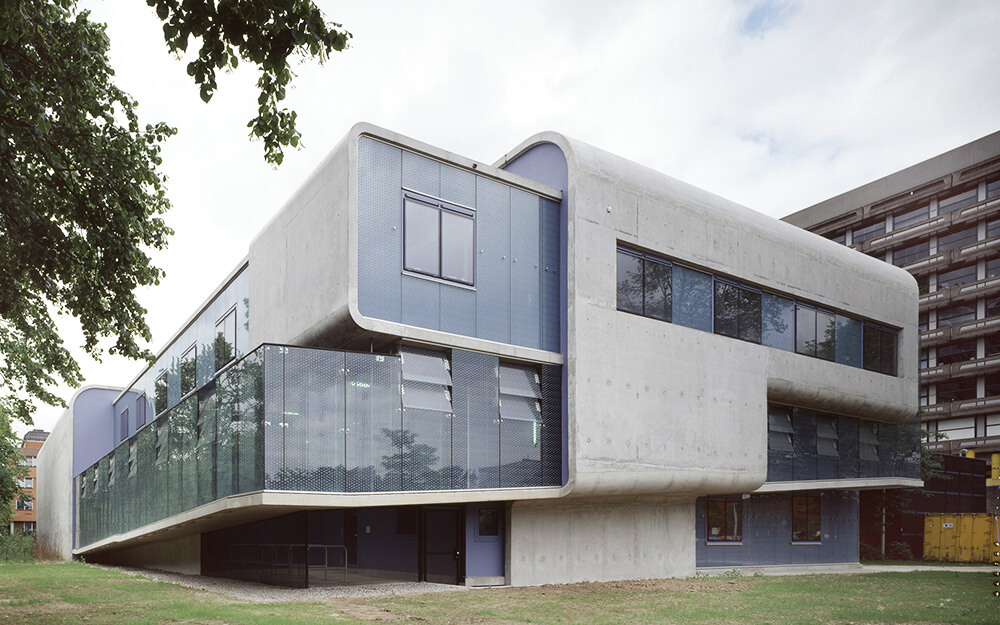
[274,419]
[379,229]
[493,260]
[421,174]
[552,426]
[475,397]
[458,311]
[525,256]
[458,186]
[422,302]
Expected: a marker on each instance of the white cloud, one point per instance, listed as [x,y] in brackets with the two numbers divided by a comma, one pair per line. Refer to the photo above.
[802,101]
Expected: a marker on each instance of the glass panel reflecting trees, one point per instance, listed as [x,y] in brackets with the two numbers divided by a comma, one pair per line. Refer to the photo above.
[290,418]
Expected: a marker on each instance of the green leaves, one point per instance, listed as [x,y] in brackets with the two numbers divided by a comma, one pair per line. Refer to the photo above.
[262,32]
[81,201]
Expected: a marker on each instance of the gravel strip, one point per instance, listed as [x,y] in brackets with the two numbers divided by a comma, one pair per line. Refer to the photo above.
[260,593]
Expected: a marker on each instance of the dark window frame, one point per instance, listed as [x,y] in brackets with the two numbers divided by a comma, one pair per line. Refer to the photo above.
[732,511]
[807,528]
[442,207]
[644,309]
[747,328]
[123,423]
[187,369]
[225,351]
[494,527]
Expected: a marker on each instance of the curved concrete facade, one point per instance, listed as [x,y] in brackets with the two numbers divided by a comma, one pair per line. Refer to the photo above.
[654,414]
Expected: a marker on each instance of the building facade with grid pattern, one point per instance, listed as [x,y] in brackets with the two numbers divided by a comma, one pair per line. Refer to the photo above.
[560,367]
[940,220]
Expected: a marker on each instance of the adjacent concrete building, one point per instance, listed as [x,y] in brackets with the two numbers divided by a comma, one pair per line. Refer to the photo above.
[940,220]
[561,367]
[25,508]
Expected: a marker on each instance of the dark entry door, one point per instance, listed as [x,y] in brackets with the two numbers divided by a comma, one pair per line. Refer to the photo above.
[442,540]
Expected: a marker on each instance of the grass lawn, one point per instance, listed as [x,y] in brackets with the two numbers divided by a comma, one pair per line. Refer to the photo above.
[76,593]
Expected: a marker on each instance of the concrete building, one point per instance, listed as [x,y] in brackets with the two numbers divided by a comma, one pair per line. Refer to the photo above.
[25,509]
[561,367]
[940,220]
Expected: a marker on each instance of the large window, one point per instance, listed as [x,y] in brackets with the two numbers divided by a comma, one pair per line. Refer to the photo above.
[906,255]
[815,332]
[123,424]
[956,352]
[658,288]
[737,311]
[806,519]
[956,277]
[439,239]
[957,239]
[910,217]
[879,349]
[956,202]
[725,520]
[644,285]
[869,232]
[954,315]
[189,370]
[225,339]
[956,390]
[160,390]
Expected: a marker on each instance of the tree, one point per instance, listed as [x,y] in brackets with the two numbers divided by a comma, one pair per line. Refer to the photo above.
[10,471]
[82,196]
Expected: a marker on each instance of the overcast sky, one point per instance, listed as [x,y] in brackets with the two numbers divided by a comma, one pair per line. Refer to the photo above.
[775,105]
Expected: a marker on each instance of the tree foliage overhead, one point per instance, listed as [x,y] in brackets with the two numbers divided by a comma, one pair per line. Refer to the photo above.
[265,33]
[81,196]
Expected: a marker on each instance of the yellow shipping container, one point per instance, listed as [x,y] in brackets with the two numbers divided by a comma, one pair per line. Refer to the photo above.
[960,537]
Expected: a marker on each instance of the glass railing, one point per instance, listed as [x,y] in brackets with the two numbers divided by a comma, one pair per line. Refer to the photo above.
[305,419]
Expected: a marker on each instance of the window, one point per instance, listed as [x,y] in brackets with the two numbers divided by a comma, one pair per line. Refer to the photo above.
[956,202]
[26,482]
[879,349]
[160,389]
[645,285]
[956,390]
[815,332]
[487,524]
[910,217]
[924,359]
[725,520]
[225,339]
[840,236]
[160,444]
[25,505]
[439,239]
[140,411]
[133,447]
[737,312]
[993,344]
[827,436]
[123,423]
[923,322]
[958,428]
[956,277]
[907,255]
[957,239]
[992,228]
[27,461]
[954,315]
[925,395]
[923,284]
[806,517]
[993,306]
[189,368]
[956,352]
[993,188]
[993,267]
[869,232]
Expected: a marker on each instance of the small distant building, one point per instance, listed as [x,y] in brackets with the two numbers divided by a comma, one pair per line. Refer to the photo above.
[561,367]
[25,508]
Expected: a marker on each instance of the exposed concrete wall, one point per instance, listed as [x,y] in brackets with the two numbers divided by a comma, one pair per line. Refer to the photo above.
[180,555]
[299,263]
[659,408]
[54,494]
[601,541]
